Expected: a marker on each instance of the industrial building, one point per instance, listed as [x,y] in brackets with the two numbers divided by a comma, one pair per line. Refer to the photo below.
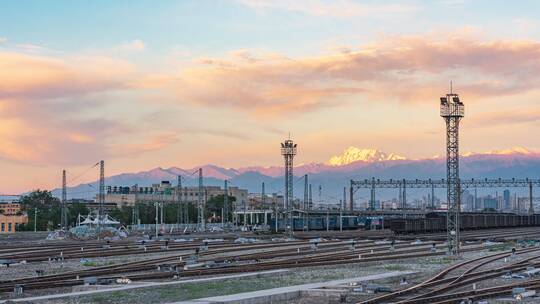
[166,192]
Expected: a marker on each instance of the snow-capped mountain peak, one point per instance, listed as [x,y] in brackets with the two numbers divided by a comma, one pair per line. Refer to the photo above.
[511,151]
[354,154]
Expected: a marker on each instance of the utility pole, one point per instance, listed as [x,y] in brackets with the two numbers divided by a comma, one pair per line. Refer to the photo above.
[263,194]
[340,215]
[400,199]
[276,217]
[306,201]
[452,110]
[244,207]
[263,201]
[162,207]
[179,200]
[186,207]
[35,219]
[63,219]
[404,194]
[306,193]
[344,197]
[156,204]
[372,197]
[225,217]
[200,203]
[351,200]
[310,205]
[475,198]
[432,196]
[101,195]
[327,218]
[531,207]
[135,219]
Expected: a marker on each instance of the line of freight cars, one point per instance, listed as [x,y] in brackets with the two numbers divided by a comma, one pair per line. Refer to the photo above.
[330,223]
[436,222]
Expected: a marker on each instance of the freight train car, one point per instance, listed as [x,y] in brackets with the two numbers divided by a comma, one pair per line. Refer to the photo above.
[320,223]
[436,222]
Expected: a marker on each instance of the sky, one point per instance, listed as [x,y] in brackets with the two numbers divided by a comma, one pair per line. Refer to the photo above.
[143,84]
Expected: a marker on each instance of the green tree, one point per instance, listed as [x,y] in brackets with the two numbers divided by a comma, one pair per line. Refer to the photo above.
[215,204]
[123,215]
[74,210]
[48,210]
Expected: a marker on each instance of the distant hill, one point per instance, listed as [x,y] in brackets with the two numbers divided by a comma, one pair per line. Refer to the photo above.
[335,174]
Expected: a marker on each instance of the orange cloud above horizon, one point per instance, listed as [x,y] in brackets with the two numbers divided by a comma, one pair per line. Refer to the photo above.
[46,106]
[62,110]
[36,76]
[405,69]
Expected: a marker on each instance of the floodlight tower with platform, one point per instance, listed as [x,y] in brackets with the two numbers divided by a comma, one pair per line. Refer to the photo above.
[288,150]
[452,110]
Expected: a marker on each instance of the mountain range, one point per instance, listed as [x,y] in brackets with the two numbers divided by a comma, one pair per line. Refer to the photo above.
[332,176]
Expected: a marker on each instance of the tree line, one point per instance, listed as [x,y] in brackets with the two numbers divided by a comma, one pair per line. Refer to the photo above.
[48,210]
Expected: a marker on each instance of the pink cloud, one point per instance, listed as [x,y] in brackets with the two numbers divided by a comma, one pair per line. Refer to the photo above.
[408,69]
[36,76]
[507,117]
[46,107]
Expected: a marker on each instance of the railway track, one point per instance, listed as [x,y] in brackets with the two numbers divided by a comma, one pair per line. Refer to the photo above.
[232,257]
[456,276]
[298,256]
[96,249]
[494,234]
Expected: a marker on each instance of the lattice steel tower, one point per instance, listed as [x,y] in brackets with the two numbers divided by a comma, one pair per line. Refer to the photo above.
[288,150]
[452,110]
[201,203]
[63,215]
[101,199]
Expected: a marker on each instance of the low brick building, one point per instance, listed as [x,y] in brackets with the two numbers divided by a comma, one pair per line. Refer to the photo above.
[11,217]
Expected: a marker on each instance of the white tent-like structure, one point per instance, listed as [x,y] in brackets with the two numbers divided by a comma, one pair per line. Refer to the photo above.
[92,220]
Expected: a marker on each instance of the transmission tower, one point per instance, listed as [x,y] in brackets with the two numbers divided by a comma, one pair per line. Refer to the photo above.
[101,199]
[200,202]
[531,207]
[310,204]
[179,199]
[288,150]
[226,202]
[63,215]
[452,110]
[306,193]
[263,195]
[135,219]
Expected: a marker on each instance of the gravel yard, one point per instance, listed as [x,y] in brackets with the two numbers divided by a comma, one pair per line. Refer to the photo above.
[427,267]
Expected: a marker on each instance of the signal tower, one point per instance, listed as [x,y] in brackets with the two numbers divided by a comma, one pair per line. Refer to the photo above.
[452,110]
[288,150]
